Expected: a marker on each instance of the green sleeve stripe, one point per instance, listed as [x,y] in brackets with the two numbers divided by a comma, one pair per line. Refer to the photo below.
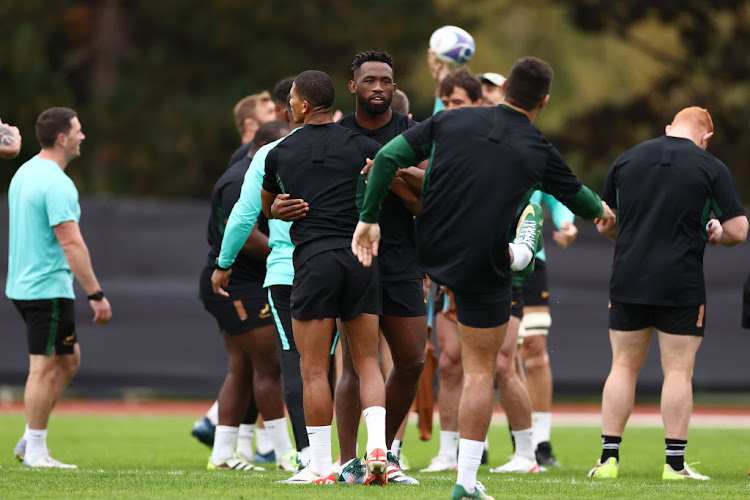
[586,204]
[394,155]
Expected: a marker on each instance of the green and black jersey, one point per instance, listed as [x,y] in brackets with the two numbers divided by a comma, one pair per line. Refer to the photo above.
[320,164]
[665,190]
[484,165]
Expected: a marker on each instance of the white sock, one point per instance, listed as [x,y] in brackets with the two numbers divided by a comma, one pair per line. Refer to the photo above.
[540,426]
[25,432]
[375,422]
[304,456]
[245,440]
[521,256]
[225,438]
[320,449]
[448,444]
[469,458]
[263,443]
[396,448]
[36,445]
[524,444]
[213,413]
[278,432]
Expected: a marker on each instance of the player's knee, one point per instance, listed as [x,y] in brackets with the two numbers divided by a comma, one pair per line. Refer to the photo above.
[450,364]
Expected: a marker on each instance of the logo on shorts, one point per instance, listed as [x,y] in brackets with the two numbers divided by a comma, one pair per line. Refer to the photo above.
[70,339]
[545,294]
[265,312]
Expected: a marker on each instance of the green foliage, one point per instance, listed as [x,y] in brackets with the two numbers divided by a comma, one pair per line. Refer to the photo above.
[155,457]
[154,82]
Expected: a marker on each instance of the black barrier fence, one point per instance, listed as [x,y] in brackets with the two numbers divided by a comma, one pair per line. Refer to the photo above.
[148,256]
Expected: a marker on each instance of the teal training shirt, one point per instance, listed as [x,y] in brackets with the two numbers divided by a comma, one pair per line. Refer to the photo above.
[560,213]
[279,267]
[40,197]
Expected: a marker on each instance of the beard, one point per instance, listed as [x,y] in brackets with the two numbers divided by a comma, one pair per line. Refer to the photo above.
[373,108]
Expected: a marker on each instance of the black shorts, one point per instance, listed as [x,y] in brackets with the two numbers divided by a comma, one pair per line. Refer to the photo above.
[686,320]
[517,302]
[50,325]
[279,296]
[535,291]
[237,315]
[404,299]
[333,284]
[486,310]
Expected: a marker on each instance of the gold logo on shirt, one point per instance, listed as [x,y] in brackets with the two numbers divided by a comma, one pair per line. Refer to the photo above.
[545,294]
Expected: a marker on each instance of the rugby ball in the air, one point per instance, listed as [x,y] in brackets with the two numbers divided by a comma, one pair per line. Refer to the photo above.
[452,44]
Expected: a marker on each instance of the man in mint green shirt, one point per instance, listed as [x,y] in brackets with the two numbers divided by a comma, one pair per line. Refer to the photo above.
[46,251]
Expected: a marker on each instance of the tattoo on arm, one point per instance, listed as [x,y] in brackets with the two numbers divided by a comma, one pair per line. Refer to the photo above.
[7,138]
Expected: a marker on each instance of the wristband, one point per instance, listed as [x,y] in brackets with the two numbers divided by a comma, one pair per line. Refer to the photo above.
[97,296]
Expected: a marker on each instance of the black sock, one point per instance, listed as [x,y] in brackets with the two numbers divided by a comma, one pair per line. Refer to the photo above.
[610,448]
[676,453]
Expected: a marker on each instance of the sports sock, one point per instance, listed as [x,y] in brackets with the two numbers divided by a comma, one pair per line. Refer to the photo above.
[278,432]
[36,445]
[610,448]
[304,456]
[540,426]
[213,413]
[375,422]
[675,449]
[521,256]
[448,443]
[25,432]
[245,440]
[524,444]
[320,449]
[263,443]
[396,448]
[225,438]
[469,458]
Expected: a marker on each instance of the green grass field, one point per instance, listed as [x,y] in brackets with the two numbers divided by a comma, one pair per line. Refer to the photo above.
[155,457]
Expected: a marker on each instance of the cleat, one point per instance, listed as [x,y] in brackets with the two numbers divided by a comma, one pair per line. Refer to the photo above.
[20,450]
[49,462]
[681,475]
[289,461]
[353,472]
[518,464]
[203,430]
[609,469]
[395,473]
[544,455]
[460,492]
[529,233]
[376,467]
[265,458]
[441,463]
[235,463]
[307,476]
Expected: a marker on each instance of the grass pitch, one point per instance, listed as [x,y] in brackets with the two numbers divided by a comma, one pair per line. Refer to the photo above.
[155,457]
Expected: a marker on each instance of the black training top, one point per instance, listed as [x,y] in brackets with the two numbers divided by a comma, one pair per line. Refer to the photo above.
[665,190]
[397,256]
[320,164]
[247,273]
[240,153]
[485,163]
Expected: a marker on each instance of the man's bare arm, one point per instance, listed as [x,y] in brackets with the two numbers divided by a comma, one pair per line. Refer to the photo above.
[10,141]
[730,233]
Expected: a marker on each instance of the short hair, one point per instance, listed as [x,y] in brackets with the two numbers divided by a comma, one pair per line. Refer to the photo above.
[371,56]
[698,118]
[270,131]
[281,90]
[315,87]
[245,108]
[400,102]
[463,79]
[51,123]
[528,82]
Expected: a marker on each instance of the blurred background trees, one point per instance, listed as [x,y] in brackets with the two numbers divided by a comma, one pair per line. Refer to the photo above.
[155,81]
